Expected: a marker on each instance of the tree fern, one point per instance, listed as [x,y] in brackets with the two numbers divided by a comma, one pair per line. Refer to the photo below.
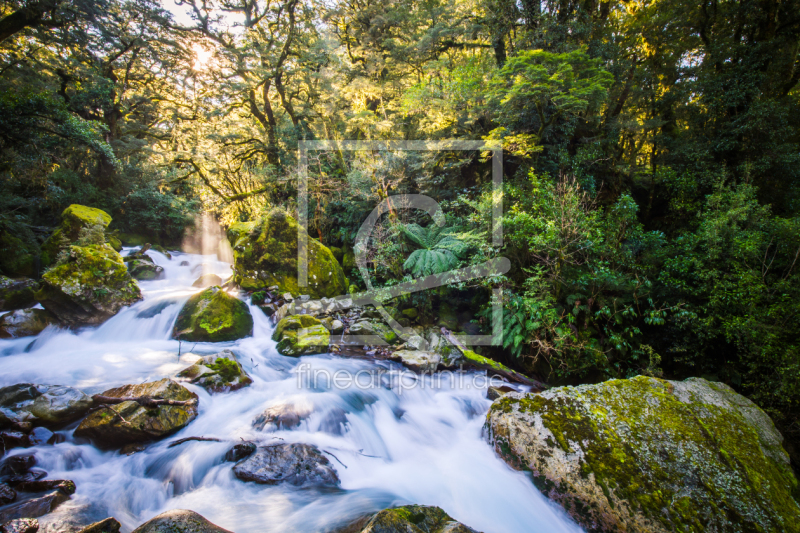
[440,249]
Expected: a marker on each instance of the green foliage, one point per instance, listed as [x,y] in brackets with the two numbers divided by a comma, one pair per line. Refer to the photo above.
[439,249]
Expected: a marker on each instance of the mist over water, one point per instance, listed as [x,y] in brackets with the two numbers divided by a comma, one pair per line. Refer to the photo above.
[389,445]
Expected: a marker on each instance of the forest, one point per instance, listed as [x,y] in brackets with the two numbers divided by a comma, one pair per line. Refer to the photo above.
[650,160]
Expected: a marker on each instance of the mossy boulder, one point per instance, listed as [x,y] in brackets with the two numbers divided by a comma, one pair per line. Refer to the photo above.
[376,328]
[265,255]
[213,316]
[17,293]
[179,521]
[129,422]
[90,286]
[25,323]
[73,219]
[42,405]
[298,335]
[144,269]
[650,455]
[409,519]
[207,280]
[348,259]
[219,372]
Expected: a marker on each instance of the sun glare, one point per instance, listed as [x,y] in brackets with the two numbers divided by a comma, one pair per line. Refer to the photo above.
[202,56]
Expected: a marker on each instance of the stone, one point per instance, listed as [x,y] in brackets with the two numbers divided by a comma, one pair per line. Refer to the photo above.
[35,507]
[20,525]
[297,464]
[418,361]
[17,465]
[128,422]
[219,372]
[265,254]
[298,335]
[66,486]
[240,451]
[207,280]
[109,525]
[411,313]
[376,328]
[48,405]
[333,325]
[25,323]
[284,415]
[213,315]
[646,454]
[493,393]
[90,286]
[144,270]
[179,521]
[40,436]
[17,293]
[73,219]
[12,439]
[410,519]
[7,494]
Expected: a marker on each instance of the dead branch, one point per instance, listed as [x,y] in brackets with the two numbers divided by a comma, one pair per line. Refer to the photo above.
[144,401]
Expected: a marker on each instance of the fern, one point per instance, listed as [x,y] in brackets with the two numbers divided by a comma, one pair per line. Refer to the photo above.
[440,249]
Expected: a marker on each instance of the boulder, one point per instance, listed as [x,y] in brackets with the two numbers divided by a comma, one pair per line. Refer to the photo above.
[213,316]
[374,327]
[144,269]
[35,507]
[411,313]
[284,415]
[219,372]
[89,287]
[179,521]
[646,454]
[20,525]
[301,335]
[418,361]
[47,405]
[298,464]
[7,494]
[409,519]
[333,325]
[129,422]
[25,323]
[240,451]
[207,280]
[265,254]
[73,219]
[109,525]
[17,293]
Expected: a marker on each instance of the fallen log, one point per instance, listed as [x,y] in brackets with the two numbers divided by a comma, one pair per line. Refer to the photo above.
[189,439]
[144,401]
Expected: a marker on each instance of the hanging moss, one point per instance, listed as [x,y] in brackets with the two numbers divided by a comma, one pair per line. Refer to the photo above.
[213,316]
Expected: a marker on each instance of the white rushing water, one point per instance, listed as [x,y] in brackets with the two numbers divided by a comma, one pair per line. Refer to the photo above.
[390,445]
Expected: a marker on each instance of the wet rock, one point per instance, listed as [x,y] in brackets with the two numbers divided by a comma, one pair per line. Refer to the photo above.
[207,280]
[74,219]
[646,454]
[160,249]
[213,316]
[35,507]
[27,477]
[301,335]
[240,451]
[333,325]
[40,436]
[129,422]
[373,328]
[418,361]
[285,415]
[219,372]
[130,449]
[49,405]
[179,521]
[409,519]
[20,525]
[109,525]
[17,465]
[13,439]
[144,269]
[493,393]
[64,485]
[184,263]
[7,494]
[17,293]
[265,254]
[25,323]
[90,286]
[297,464]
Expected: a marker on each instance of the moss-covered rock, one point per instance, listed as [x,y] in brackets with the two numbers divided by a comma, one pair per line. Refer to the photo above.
[375,328]
[298,335]
[417,360]
[207,280]
[25,323]
[409,519]
[265,254]
[219,372]
[179,521]
[73,219]
[144,270]
[651,455]
[17,293]
[348,260]
[129,422]
[89,287]
[213,316]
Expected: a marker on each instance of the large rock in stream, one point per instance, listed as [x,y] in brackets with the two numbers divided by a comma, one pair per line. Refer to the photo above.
[17,293]
[90,286]
[46,405]
[213,316]
[74,219]
[25,322]
[129,422]
[298,335]
[179,521]
[408,519]
[265,254]
[219,372]
[298,464]
[651,455]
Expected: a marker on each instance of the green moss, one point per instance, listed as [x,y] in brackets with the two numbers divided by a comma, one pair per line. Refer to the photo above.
[301,335]
[18,257]
[412,519]
[481,360]
[213,315]
[687,465]
[265,254]
[73,219]
[227,369]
